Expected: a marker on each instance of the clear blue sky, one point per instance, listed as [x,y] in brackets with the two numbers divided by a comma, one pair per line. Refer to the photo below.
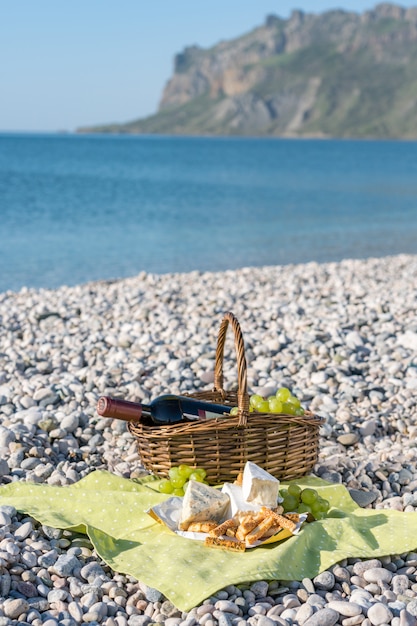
[81,62]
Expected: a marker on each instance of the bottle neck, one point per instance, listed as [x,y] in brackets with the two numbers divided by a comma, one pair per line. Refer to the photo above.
[121,409]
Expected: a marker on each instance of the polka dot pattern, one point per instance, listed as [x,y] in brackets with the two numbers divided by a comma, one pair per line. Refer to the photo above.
[112,511]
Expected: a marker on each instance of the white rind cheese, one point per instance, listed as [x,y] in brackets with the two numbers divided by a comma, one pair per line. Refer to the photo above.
[259,486]
[201,503]
[237,501]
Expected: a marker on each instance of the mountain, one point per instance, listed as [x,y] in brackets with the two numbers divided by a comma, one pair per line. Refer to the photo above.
[336,74]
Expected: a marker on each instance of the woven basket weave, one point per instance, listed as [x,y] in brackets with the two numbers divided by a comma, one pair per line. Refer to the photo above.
[284,445]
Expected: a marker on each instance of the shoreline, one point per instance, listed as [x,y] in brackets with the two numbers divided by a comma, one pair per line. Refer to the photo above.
[81,133]
[25,289]
[341,335]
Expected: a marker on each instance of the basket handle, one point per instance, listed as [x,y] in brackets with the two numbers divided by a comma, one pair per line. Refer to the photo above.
[242,395]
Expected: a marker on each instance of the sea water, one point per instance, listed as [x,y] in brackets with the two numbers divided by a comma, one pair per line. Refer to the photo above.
[78,208]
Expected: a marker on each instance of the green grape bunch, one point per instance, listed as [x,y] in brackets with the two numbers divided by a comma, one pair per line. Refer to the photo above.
[282,402]
[179,476]
[297,500]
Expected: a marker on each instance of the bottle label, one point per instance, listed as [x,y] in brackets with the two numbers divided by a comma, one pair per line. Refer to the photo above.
[203,415]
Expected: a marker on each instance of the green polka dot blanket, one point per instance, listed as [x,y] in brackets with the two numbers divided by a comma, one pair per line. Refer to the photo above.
[112,512]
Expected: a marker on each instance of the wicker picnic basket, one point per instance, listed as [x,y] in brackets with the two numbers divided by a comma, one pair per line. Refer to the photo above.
[284,445]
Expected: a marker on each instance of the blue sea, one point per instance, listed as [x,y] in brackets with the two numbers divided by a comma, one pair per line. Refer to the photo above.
[77,208]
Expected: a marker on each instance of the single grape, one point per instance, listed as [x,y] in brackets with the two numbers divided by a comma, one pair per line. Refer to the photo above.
[165,486]
[290,503]
[283,493]
[299,411]
[283,394]
[174,472]
[304,508]
[255,399]
[288,408]
[316,510]
[178,492]
[294,401]
[309,496]
[185,470]
[294,490]
[178,482]
[275,405]
[201,471]
[324,504]
[197,477]
[269,398]
[234,410]
[262,407]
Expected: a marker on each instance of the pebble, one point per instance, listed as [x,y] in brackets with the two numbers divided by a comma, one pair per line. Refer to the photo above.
[260,589]
[379,614]
[227,606]
[406,619]
[348,440]
[15,608]
[377,575]
[23,531]
[353,621]
[5,520]
[325,580]
[304,613]
[347,609]
[363,498]
[151,594]
[412,607]
[341,335]
[264,621]
[90,571]
[325,617]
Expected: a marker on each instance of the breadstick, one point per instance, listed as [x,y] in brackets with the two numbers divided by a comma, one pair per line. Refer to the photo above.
[294,517]
[226,544]
[243,516]
[284,522]
[239,479]
[259,531]
[275,528]
[201,527]
[220,530]
[249,518]
[246,526]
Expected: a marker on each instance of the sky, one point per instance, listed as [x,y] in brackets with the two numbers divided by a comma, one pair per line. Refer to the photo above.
[85,62]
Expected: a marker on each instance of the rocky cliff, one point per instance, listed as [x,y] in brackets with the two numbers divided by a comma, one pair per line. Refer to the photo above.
[335,74]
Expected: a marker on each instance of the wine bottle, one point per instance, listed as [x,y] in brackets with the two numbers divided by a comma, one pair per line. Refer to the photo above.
[166,409]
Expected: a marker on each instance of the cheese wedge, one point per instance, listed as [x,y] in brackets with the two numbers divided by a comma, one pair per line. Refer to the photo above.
[259,486]
[202,503]
[237,501]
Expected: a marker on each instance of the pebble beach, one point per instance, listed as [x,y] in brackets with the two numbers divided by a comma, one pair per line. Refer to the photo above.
[342,336]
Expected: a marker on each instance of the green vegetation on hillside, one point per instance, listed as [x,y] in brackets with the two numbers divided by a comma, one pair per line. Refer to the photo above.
[337,74]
